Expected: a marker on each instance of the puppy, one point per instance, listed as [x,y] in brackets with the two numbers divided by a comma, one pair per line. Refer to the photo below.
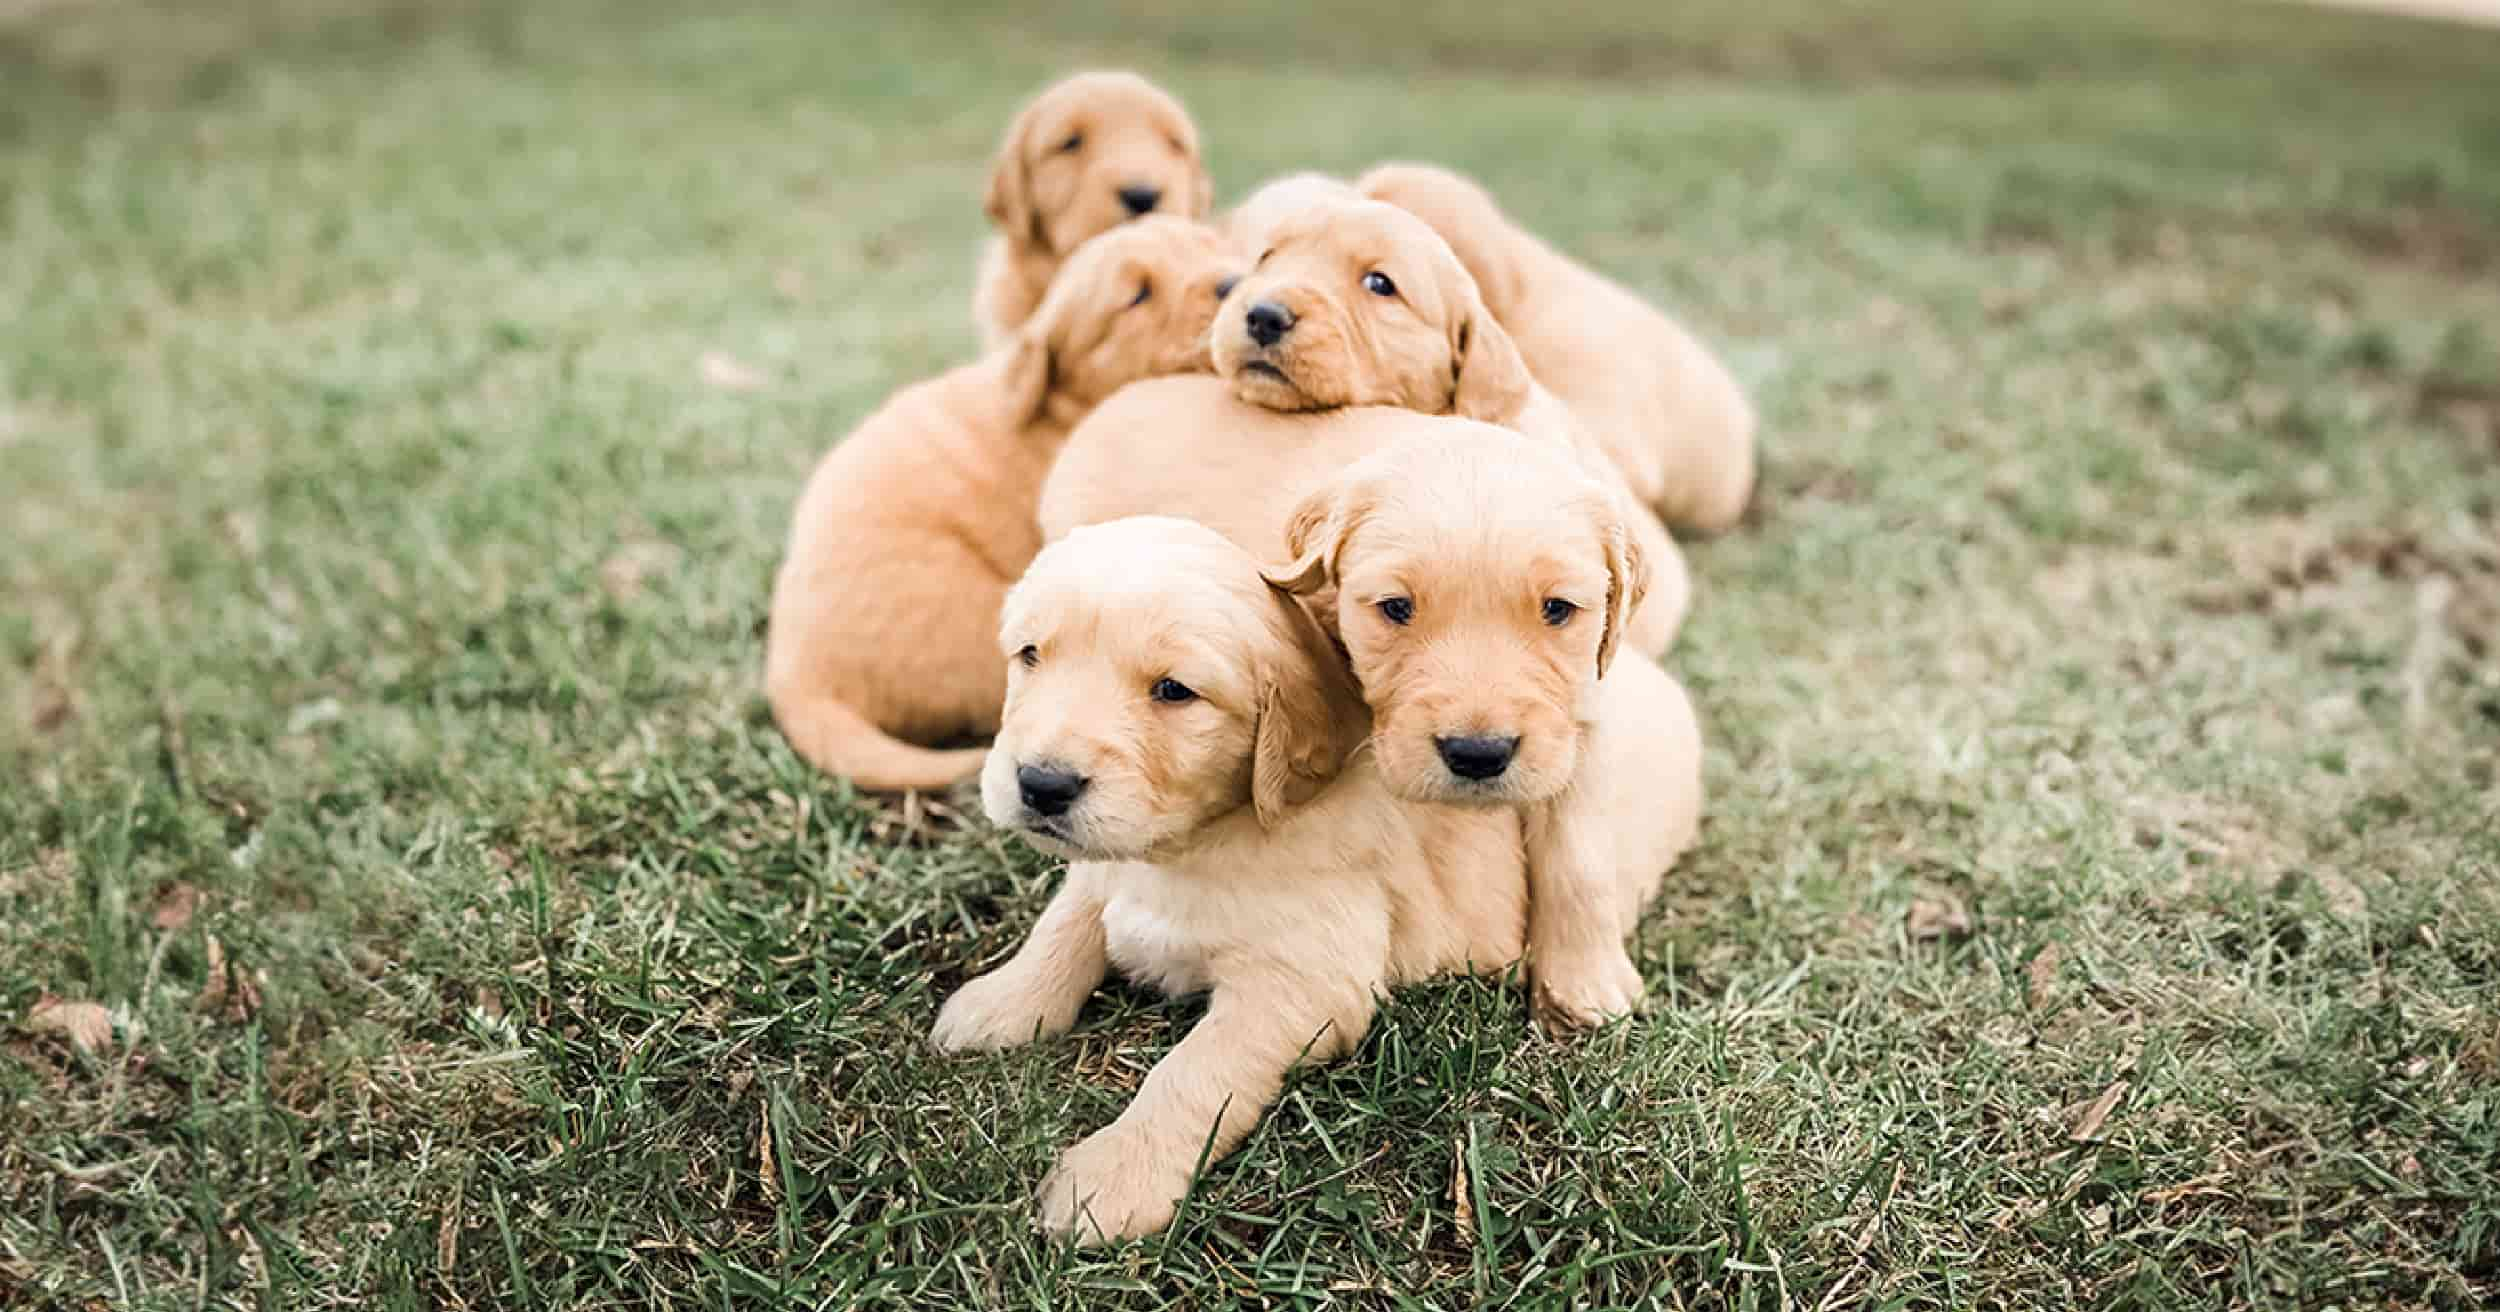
[1254,220]
[911,530]
[1088,154]
[1481,591]
[1177,727]
[1667,411]
[1360,303]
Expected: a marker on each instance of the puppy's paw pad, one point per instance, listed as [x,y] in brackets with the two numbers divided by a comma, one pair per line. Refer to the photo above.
[988,1014]
[1107,1189]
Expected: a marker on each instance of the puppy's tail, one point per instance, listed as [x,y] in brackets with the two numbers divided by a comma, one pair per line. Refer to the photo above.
[839,740]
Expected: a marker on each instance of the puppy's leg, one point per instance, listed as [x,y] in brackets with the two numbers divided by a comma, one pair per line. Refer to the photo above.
[1042,987]
[1127,1178]
[1577,964]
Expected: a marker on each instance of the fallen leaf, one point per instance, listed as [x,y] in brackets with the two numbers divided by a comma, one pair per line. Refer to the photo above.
[87,1025]
[2088,1127]
[2042,976]
[725,371]
[230,992]
[1462,1196]
[176,904]
[767,1174]
[1938,917]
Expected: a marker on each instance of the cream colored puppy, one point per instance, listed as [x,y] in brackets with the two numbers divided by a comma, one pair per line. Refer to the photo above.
[1177,727]
[1668,412]
[910,530]
[1252,222]
[1088,154]
[1360,303]
[1481,588]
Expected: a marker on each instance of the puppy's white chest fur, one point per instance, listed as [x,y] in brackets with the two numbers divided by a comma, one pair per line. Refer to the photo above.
[1156,928]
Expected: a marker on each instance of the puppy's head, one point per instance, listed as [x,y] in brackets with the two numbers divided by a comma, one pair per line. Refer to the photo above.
[1132,303]
[1155,682]
[1359,303]
[1465,216]
[1481,582]
[1091,153]
[1253,222]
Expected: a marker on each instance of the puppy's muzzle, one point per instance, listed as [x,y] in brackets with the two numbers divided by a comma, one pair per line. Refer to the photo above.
[1048,790]
[1140,200]
[1477,756]
[1268,323]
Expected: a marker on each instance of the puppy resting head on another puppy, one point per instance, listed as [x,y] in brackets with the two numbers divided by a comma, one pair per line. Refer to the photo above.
[1482,583]
[1089,154]
[1155,684]
[1132,303]
[1359,303]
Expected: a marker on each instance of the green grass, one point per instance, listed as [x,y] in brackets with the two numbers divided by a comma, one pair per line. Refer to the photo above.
[382,568]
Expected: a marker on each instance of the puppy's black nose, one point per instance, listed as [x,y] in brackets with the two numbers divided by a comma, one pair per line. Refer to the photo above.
[1225,288]
[1047,789]
[1480,756]
[1140,200]
[1268,322]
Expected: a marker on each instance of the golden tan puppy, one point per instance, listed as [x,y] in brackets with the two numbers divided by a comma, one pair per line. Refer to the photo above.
[1361,303]
[1176,726]
[1088,154]
[911,530]
[1251,222]
[1481,588]
[1668,412]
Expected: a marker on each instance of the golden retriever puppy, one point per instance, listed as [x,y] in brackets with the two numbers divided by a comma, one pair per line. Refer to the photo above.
[1088,154]
[1481,589]
[911,529]
[1668,412]
[1180,730]
[1254,220]
[1361,303]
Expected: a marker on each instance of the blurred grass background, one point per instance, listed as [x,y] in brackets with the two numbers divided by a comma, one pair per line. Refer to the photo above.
[399,409]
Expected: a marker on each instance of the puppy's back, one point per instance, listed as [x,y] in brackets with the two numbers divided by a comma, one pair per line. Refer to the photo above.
[1185,446]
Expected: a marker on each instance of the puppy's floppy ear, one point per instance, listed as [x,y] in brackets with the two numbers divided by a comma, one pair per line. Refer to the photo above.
[1026,382]
[1315,535]
[1627,578]
[1311,715]
[1009,199]
[1492,381]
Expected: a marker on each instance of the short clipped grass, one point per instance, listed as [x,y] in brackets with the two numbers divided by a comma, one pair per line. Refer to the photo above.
[2097,900]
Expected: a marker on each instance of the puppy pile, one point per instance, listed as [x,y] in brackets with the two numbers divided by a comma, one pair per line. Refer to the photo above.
[1288,561]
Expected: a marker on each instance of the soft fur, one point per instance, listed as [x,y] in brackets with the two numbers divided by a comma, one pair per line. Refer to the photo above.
[1480,588]
[1215,847]
[1250,223]
[1668,412]
[1421,340]
[1057,180]
[912,529]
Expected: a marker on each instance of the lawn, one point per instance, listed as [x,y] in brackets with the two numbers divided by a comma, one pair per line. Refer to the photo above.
[400,405]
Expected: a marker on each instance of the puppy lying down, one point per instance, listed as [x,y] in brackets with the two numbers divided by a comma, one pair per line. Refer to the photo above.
[1480,585]
[885,609]
[1184,732]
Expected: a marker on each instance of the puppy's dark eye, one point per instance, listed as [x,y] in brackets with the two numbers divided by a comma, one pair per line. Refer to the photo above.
[1397,610]
[1558,612]
[1030,656]
[1074,143]
[1179,147]
[1225,288]
[1144,290]
[1378,284]
[1172,690]
[1262,260]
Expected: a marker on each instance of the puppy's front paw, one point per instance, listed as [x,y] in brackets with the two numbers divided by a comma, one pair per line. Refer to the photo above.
[1586,989]
[993,1012]
[1110,1188]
